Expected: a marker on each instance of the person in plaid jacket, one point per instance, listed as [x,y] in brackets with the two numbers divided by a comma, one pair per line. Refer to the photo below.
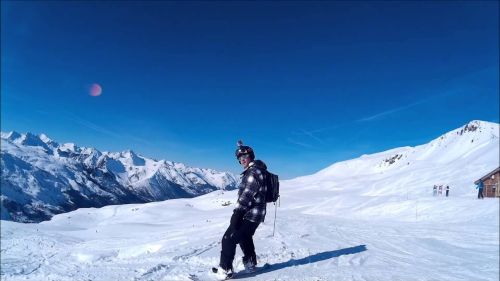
[249,212]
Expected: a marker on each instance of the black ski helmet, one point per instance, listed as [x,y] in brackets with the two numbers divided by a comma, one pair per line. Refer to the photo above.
[243,149]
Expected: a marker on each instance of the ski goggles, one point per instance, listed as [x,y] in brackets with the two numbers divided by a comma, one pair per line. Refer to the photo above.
[243,156]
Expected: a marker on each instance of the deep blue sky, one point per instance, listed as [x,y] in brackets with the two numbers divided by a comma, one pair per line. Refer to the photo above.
[306,84]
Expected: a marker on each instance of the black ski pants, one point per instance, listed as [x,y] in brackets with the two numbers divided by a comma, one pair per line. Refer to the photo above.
[233,236]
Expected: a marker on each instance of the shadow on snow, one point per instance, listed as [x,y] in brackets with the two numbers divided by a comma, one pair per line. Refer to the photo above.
[310,259]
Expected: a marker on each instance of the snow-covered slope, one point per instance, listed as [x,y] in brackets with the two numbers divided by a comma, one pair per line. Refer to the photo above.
[456,158]
[41,178]
[334,225]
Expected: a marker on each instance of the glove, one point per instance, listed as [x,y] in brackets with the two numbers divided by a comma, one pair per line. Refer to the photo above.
[236,219]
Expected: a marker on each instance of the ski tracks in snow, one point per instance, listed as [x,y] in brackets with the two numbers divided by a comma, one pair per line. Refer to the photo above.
[162,270]
[305,247]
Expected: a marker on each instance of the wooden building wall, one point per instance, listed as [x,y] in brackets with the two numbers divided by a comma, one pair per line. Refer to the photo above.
[492,185]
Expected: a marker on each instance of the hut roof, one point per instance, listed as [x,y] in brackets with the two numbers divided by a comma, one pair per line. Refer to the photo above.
[487,176]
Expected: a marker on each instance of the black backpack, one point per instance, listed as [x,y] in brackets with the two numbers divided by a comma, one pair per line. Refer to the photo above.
[273,187]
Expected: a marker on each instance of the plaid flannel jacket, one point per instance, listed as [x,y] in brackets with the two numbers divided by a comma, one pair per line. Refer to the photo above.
[252,194]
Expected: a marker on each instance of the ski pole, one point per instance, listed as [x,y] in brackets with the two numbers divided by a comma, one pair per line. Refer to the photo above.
[275,210]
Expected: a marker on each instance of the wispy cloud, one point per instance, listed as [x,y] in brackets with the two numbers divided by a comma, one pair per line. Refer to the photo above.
[391,111]
[92,126]
[333,127]
[311,135]
[103,130]
[292,141]
[404,107]
[301,133]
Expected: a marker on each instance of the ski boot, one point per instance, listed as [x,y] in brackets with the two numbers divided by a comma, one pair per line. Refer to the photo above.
[223,274]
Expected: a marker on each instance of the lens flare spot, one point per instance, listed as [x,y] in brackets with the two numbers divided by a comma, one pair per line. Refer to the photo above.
[95,90]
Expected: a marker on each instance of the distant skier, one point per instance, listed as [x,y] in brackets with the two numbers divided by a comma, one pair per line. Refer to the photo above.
[249,212]
[480,187]
[440,188]
[447,190]
[434,191]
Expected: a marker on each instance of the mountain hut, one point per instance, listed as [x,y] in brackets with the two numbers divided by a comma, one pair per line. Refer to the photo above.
[491,183]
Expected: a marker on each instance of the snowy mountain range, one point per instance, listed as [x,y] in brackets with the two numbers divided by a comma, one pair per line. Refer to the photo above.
[41,178]
[369,218]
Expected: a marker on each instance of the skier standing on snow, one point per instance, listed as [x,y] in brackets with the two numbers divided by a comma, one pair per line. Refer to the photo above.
[480,187]
[249,212]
